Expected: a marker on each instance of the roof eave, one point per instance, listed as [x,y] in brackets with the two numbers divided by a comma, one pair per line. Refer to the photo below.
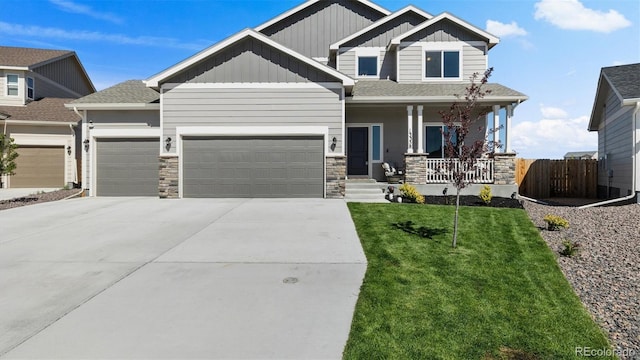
[39,122]
[113,106]
[431,99]
[491,39]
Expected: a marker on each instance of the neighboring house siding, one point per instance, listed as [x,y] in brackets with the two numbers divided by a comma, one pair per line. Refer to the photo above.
[311,31]
[132,119]
[252,107]
[46,88]
[615,141]
[474,60]
[386,63]
[68,73]
[444,30]
[12,100]
[251,61]
[382,35]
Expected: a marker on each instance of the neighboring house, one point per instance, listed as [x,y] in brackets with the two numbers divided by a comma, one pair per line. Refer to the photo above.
[291,109]
[34,86]
[583,155]
[615,116]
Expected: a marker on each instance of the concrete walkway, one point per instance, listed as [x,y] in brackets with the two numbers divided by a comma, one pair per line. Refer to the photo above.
[6,194]
[192,278]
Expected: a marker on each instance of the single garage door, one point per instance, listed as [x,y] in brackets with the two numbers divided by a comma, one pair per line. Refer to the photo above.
[253,167]
[39,166]
[127,167]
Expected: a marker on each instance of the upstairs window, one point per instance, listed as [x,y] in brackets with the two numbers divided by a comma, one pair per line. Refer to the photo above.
[367,66]
[442,65]
[30,85]
[12,85]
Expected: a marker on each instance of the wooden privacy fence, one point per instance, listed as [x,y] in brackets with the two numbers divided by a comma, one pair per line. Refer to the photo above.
[541,179]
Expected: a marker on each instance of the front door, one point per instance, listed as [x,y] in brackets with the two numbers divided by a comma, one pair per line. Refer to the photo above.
[357,151]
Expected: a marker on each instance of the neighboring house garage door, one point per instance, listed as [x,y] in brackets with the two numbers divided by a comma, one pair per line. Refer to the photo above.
[39,166]
[280,166]
[127,167]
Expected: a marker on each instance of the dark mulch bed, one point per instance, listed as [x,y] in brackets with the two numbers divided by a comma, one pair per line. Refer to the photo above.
[470,200]
[37,198]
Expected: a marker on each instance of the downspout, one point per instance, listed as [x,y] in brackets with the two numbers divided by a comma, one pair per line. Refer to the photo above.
[634,124]
[75,163]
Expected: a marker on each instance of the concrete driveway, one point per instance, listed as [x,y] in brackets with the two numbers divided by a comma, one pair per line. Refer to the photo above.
[190,278]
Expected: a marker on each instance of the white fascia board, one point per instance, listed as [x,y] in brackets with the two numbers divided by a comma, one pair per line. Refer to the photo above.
[36,122]
[309,3]
[627,102]
[429,99]
[335,46]
[309,85]
[114,106]
[21,68]
[156,79]
[126,133]
[593,122]
[492,39]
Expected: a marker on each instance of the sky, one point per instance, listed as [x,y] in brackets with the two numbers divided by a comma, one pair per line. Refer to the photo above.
[550,50]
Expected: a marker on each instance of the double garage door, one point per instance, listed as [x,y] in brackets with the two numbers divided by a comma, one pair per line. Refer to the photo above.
[39,166]
[216,167]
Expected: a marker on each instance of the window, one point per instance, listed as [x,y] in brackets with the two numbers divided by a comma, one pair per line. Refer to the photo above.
[12,85]
[376,143]
[30,84]
[442,64]
[367,66]
[435,143]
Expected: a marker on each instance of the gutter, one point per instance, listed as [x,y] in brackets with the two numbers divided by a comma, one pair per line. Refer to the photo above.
[36,122]
[634,124]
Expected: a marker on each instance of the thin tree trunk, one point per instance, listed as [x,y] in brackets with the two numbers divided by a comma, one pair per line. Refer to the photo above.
[455,220]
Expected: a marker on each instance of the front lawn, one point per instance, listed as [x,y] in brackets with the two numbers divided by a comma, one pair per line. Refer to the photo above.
[499,295]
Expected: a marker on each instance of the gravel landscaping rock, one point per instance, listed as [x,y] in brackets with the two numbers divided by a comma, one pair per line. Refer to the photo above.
[37,198]
[606,272]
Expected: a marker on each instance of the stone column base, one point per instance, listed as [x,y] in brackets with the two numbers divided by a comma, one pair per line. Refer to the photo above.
[504,168]
[336,175]
[415,168]
[168,172]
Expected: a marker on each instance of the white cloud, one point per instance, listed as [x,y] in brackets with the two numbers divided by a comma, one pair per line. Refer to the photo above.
[55,33]
[552,138]
[549,112]
[572,15]
[505,30]
[72,7]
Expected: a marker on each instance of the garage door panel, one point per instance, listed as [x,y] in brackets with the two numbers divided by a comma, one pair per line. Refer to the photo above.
[253,166]
[39,166]
[127,167]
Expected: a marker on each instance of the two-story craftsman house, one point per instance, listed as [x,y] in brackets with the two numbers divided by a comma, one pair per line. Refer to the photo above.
[325,92]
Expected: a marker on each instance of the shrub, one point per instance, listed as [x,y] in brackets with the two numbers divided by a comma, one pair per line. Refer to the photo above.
[555,222]
[410,193]
[485,194]
[570,248]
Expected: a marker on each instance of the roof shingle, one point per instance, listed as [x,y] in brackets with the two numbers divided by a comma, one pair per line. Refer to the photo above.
[26,57]
[626,79]
[45,109]
[366,88]
[127,92]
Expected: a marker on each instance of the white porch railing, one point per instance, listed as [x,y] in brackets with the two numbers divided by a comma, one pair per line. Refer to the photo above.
[438,171]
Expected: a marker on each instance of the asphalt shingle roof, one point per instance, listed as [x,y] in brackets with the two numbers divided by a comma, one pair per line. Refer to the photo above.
[626,79]
[128,92]
[25,57]
[391,88]
[45,109]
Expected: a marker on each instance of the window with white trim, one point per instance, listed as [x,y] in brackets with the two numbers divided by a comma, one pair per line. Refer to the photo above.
[435,142]
[30,88]
[442,64]
[367,66]
[12,85]
[376,143]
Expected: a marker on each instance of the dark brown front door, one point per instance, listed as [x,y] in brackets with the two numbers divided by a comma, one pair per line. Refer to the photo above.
[357,151]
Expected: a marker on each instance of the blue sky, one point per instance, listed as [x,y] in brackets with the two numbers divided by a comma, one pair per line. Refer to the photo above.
[551,50]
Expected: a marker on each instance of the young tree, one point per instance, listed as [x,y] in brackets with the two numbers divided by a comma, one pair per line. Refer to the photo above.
[458,121]
[8,155]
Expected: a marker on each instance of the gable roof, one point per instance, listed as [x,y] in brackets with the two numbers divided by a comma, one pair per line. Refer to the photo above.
[308,3]
[384,20]
[491,39]
[155,80]
[42,110]
[29,58]
[624,81]
[129,94]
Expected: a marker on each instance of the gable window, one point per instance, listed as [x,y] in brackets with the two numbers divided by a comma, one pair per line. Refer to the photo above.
[12,85]
[30,88]
[442,64]
[367,66]
[435,143]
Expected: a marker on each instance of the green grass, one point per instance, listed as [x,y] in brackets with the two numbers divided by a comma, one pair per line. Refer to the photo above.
[498,295]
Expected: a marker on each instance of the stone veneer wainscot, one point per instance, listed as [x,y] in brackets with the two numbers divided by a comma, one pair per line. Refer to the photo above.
[336,175]
[168,185]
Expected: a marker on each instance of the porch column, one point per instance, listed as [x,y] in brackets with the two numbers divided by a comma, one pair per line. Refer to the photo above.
[496,127]
[409,129]
[420,127]
[507,129]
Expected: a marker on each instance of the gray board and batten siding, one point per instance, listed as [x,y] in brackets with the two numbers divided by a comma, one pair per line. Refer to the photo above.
[615,141]
[127,167]
[312,30]
[317,106]
[444,30]
[251,61]
[67,72]
[474,60]
[253,166]
[382,35]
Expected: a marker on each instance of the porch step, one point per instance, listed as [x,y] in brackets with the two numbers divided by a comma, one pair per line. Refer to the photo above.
[364,190]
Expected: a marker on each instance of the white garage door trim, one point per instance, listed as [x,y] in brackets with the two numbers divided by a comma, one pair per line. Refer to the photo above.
[113,133]
[250,131]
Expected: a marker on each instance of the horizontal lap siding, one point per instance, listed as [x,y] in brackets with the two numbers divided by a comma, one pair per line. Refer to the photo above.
[473,61]
[253,107]
[444,30]
[411,64]
[347,63]
[616,142]
[386,64]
